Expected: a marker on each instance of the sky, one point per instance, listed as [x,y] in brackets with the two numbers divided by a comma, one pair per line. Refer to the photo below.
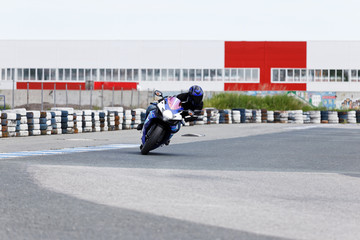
[231,20]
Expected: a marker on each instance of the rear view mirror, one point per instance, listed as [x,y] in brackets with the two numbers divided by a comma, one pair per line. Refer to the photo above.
[157,93]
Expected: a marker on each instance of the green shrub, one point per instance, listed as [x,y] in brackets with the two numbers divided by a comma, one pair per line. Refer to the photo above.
[275,102]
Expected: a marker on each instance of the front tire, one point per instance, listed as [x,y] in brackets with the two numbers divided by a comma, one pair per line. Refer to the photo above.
[155,137]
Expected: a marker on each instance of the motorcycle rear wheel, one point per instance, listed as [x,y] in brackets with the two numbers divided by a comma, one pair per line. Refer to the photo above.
[155,136]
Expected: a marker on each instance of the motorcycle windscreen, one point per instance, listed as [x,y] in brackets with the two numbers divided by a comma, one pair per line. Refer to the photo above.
[174,103]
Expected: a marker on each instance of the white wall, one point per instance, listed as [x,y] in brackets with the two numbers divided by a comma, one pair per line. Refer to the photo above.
[112,54]
[333,86]
[333,54]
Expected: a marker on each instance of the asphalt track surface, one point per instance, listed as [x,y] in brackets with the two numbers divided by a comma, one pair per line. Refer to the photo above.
[247,181]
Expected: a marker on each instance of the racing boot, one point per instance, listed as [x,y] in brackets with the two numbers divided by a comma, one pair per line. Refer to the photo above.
[140,126]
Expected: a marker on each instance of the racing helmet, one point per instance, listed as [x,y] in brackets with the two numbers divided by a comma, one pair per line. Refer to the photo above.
[195,95]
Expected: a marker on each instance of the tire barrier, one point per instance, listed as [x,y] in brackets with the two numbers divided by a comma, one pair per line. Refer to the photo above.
[225,116]
[236,116]
[67,119]
[270,116]
[87,122]
[248,116]
[20,123]
[136,117]
[324,116]
[256,116]
[8,123]
[1,125]
[352,117]
[295,117]
[202,118]
[242,114]
[281,117]
[45,123]
[78,121]
[212,115]
[127,119]
[264,116]
[33,120]
[103,122]
[333,117]
[343,117]
[111,121]
[315,117]
[306,117]
[95,119]
[56,122]
[22,126]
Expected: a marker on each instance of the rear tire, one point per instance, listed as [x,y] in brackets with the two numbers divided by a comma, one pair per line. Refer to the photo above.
[155,137]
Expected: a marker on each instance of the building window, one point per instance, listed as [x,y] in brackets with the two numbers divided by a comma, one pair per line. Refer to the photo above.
[325,75]
[346,75]
[339,75]
[296,75]
[149,75]
[129,74]
[240,75]
[247,75]
[177,75]
[198,74]
[227,75]
[67,74]
[122,74]
[255,75]
[157,74]
[311,74]
[332,75]
[282,75]
[74,74]
[136,74]
[53,74]
[185,75]
[20,74]
[219,74]
[46,74]
[275,75]
[192,74]
[171,75]
[143,74]
[354,75]
[81,74]
[115,74]
[108,74]
[303,75]
[317,75]
[212,74]
[163,74]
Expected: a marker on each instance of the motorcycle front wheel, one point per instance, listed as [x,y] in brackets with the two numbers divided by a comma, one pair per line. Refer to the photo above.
[155,137]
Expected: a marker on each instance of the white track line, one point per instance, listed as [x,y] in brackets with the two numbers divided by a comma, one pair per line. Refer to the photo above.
[66,150]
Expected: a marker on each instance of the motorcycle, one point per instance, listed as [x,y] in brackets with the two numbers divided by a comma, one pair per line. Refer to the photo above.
[163,122]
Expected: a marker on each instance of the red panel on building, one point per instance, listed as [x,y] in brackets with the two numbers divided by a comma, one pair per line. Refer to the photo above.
[115,85]
[265,55]
[51,85]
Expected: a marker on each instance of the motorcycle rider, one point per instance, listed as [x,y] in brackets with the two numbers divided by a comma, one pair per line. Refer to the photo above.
[193,100]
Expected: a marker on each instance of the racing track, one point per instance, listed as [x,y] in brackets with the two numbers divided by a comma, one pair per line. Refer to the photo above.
[247,181]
